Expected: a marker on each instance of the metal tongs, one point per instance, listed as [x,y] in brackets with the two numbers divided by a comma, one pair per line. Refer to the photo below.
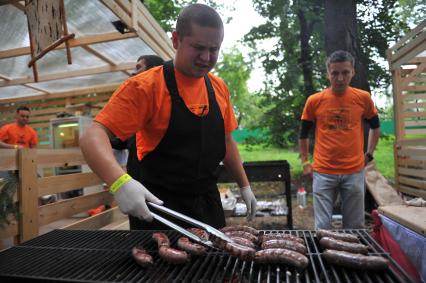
[209,229]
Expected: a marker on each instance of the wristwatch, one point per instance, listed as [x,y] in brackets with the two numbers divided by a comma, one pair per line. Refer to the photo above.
[369,156]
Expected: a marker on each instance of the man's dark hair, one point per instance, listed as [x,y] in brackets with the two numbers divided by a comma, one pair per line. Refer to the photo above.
[25,108]
[151,60]
[198,14]
[340,56]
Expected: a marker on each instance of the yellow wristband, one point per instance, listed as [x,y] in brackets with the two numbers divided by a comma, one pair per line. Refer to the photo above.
[306,163]
[119,182]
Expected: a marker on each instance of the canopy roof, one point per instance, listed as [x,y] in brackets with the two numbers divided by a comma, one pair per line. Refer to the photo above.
[102,56]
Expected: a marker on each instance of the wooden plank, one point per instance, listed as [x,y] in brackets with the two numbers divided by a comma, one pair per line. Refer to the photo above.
[408,36]
[415,88]
[409,51]
[9,159]
[59,157]
[412,172]
[64,183]
[69,207]
[98,221]
[85,90]
[415,123]
[412,192]
[409,216]
[412,152]
[70,74]
[28,195]
[413,142]
[420,184]
[39,125]
[413,114]
[414,105]
[411,77]
[414,96]
[75,42]
[415,131]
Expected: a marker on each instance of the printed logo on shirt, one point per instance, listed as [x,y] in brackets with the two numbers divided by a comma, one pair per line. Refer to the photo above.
[338,119]
[199,109]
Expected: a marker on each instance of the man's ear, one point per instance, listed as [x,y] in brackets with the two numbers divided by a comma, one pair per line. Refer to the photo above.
[175,40]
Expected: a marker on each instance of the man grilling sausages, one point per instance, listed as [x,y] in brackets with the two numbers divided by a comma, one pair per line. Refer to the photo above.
[185,119]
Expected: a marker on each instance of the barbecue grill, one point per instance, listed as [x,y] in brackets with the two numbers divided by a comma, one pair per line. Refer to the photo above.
[105,256]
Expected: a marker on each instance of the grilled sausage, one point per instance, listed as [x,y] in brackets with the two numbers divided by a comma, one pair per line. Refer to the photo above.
[185,244]
[240,251]
[282,256]
[284,244]
[242,234]
[336,235]
[334,244]
[243,241]
[141,256]
[244,228]
[199,232]
[280,236]
[172,255]
[161,239]
[355,261]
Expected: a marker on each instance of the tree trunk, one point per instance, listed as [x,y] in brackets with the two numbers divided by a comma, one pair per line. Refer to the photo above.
[305,60]
[341,33]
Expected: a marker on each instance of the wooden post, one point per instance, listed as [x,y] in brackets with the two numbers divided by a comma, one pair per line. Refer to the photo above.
[28,194]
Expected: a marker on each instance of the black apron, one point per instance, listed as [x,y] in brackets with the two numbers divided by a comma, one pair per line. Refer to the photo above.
[181,169]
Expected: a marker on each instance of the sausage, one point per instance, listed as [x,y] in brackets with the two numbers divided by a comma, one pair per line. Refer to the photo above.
[186,245]
[336,235]
[141,256]
[355,261]
[242,234]
[173,256]
[282,256]
[161,239]
[243,241]
[280,236]
[244,228]
[199,232]
[284,244]
[334,244]
[240,251]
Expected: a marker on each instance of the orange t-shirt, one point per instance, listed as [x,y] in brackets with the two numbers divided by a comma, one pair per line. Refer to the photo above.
[15,134]
[339,133]
[142,104]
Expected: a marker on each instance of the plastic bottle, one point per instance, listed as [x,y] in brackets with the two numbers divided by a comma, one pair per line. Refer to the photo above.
[301,197]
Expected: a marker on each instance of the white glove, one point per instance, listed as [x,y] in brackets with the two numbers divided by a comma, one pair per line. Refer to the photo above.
[131,198]
[250,200]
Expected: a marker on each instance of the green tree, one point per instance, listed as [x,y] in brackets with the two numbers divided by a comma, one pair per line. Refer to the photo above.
[294,61]
[235,71]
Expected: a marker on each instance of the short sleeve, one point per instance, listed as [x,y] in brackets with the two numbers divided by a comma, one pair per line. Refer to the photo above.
[3,133]
[370,110]
[308,113]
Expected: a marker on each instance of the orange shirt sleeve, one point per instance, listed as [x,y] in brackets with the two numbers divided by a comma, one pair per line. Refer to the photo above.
[370,110]
[308,111]
[3,133]
[34,139]
[127,110]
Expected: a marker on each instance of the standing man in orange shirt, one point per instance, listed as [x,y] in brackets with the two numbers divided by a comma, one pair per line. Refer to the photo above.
[183,118]
[339,161]
[19,134]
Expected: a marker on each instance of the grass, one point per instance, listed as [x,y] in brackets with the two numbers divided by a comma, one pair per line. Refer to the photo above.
[383,156]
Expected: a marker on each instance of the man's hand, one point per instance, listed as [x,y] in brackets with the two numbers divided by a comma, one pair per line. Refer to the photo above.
[307,169]
[250,200]
[131,198]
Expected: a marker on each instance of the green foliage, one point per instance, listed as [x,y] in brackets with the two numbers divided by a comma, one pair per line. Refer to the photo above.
[166,12]
[8,189]
[379,23]
[235,71]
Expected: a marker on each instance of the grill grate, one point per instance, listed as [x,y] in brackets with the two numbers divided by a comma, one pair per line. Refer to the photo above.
[105,256]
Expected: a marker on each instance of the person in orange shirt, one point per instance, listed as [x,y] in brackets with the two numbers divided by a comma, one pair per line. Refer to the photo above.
[19,134]
[337,113]
[183,118]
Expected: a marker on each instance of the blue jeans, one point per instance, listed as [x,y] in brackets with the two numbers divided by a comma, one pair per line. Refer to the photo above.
[351,188]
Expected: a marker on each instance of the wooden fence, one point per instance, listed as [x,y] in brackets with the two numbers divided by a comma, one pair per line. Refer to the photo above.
[31,215]
[407,62]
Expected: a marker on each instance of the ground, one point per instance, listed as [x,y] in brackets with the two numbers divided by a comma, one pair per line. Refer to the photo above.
[303,218]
